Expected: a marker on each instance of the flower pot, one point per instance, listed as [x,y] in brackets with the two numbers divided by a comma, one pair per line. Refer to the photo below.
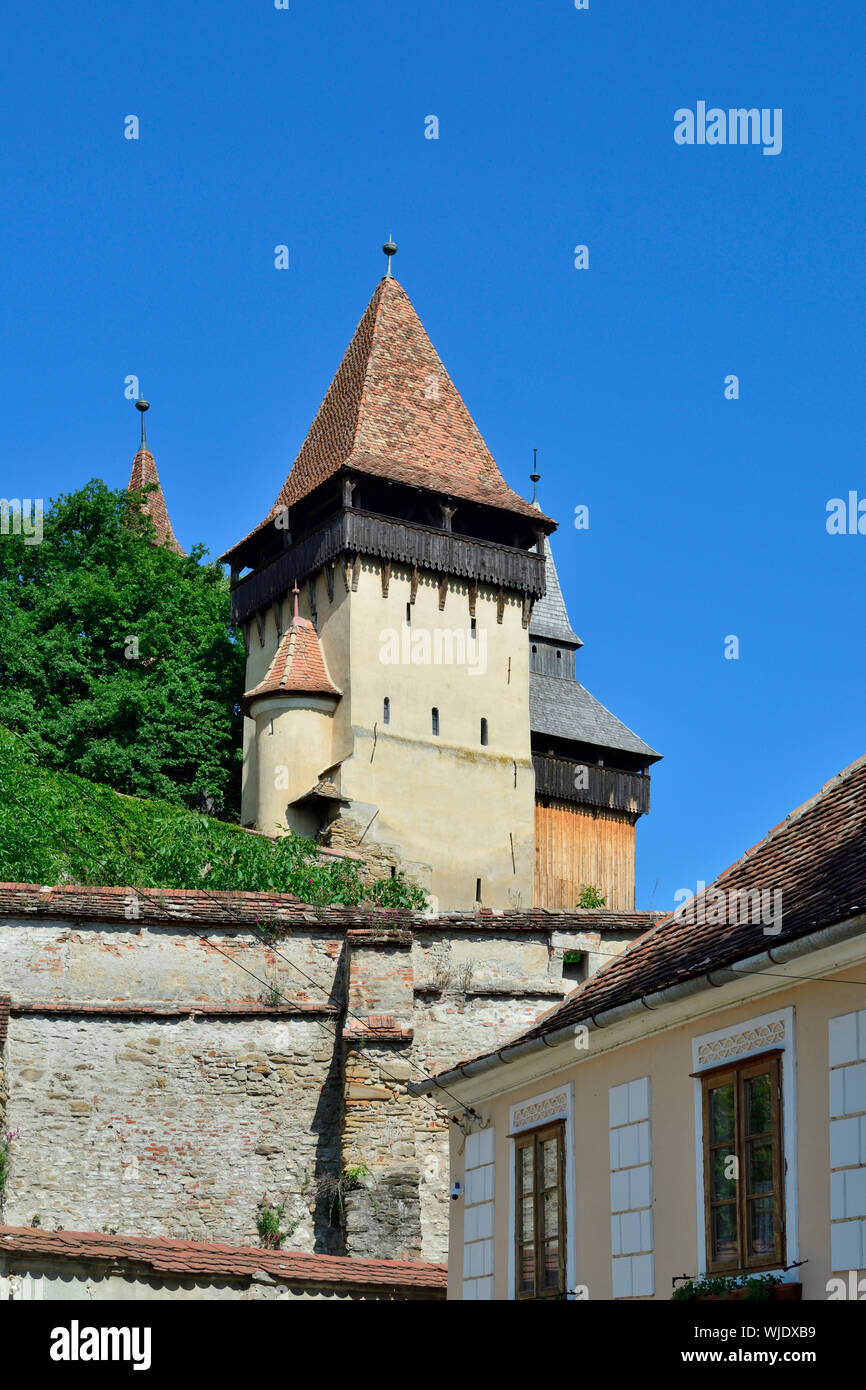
[785,1293]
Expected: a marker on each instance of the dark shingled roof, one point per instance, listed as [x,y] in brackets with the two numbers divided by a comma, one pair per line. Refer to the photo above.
[816,858]
[562,708]
[550,615]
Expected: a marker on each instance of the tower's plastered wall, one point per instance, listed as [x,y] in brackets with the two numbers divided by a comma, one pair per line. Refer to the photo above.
[454,810]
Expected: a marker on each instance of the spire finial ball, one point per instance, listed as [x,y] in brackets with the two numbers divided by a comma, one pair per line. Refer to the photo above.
[390,249]
[142,405]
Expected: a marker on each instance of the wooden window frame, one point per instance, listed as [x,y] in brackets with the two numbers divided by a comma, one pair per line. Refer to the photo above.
[736,1074]
[534,1138]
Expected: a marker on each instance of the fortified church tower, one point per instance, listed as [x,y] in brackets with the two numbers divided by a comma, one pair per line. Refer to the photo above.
[390,701]
[386,602]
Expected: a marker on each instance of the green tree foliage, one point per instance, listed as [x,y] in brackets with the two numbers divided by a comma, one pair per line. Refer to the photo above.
[164,722]
[58,828]
[590,897]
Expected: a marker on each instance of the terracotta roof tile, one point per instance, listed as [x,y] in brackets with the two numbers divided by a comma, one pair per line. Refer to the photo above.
[392,411]
[816,859]
[195,908]
[298,666]
[143,474]
[205,1259]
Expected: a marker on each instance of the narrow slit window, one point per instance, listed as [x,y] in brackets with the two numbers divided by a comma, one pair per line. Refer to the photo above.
[386,711]
[408,615]
[484,733]
[270,726]
[435,721]
[478,890]
[473,629]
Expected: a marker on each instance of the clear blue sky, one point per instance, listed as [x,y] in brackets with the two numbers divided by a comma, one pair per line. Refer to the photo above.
[306,127]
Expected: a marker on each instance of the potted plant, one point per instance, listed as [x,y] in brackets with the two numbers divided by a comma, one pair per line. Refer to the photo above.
[729,1287]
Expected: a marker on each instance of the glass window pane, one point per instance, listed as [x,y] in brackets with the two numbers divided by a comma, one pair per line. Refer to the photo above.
[725,1232]
[550,1163]
[724,1189]
[550,1265]
[721,1114]
[760,1164]
[759,1110]
[761,1226]
[550,1214]
[525,1168]
[527,1219]
[526,1271]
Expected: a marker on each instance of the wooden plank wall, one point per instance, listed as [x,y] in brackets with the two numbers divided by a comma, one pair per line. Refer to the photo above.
[574,848]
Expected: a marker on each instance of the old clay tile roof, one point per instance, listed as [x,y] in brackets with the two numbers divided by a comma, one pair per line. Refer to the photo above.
[198,908]
[188,1259]
[144,473]
[393,411]
[816,857]
[298,667]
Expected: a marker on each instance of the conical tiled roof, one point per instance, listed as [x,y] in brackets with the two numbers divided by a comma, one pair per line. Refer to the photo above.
[550,615]
[298,667]
[393,411]
[143,473]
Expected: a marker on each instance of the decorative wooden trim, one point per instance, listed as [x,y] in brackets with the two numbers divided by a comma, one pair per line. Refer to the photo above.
[347,574]
[245,633]
[356,571]
[443,591]
[473,596]
[527,609]
[260,624]
[385,571]
[329,580]
[500,604]
[311,595]
[413,584]
[277,607]
[406,543]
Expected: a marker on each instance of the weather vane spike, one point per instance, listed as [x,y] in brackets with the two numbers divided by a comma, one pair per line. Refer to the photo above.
[534,476]
[390,249]
[142,405]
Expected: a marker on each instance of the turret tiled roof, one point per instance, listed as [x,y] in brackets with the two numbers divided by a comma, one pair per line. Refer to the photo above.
[298,667]
[144,473]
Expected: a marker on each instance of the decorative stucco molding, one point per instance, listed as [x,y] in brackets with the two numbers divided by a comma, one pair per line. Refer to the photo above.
[762,1036]
[551,1107]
